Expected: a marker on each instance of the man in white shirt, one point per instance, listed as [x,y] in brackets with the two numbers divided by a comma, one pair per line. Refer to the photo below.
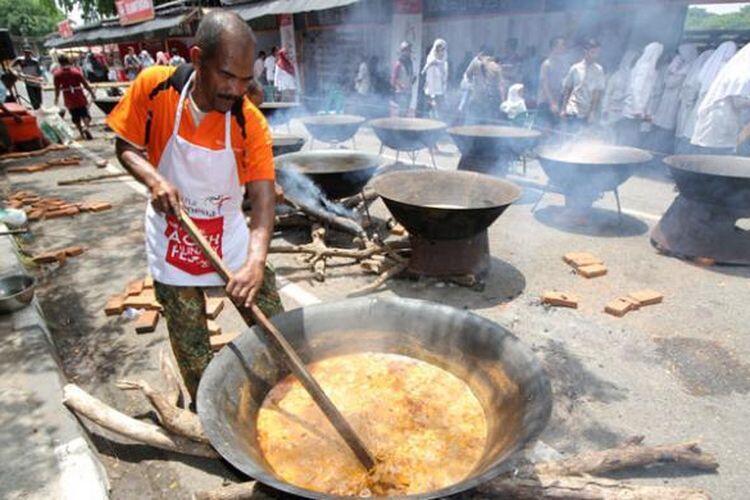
[270,65]
[259,68]
[583,88]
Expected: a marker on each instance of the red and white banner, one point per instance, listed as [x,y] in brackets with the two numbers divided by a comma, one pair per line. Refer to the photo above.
[407,27]
[65,29]
[134,11]
[286,33]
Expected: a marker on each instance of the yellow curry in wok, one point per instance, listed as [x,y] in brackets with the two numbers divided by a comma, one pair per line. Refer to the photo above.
[425,427]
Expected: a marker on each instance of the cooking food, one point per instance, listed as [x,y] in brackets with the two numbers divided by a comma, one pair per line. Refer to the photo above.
[423,424]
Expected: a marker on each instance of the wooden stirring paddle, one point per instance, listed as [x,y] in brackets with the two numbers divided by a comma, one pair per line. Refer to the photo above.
[284,348]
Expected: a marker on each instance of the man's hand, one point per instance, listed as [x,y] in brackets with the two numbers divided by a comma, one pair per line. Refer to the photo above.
[164,197]
[246,282]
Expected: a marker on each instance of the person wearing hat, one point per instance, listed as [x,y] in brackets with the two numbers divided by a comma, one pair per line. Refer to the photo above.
[32,71]
[402,78]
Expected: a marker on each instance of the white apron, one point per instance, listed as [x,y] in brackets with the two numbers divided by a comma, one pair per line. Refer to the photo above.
[211,194]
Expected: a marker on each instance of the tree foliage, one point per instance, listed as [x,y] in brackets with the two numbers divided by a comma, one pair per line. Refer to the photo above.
[701,19]
[29,17]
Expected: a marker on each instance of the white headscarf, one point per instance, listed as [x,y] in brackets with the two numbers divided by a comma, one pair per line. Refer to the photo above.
[665,114]
[436,70]
[642,79]
[514,105]
[146,59]
[733,80]
[689,95]
[433,58]
[713,65]
[617,87]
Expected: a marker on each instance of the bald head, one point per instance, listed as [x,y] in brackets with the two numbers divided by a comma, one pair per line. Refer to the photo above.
[221,28]
[221,56]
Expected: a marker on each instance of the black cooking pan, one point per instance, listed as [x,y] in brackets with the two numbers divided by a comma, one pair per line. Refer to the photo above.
[444,205]
[332,128]
[504,375]
[718,180]
[408,134]
[590,169]
[339,173]
[489,149]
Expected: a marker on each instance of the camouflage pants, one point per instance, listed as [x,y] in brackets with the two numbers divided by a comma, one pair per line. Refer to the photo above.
[185,312]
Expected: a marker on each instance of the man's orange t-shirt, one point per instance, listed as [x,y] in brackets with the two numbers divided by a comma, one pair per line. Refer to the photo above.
[145,118]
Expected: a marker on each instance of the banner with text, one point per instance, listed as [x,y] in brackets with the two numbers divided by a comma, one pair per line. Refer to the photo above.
[286,33]
[134,11]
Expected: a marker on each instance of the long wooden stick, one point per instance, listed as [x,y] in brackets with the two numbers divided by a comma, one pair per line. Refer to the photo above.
[289,355]
[91,178]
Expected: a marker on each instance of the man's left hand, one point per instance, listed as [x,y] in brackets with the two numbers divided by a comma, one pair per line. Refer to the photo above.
[246,282]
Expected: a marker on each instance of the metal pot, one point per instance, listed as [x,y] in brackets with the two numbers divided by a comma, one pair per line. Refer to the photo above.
[339,173]
[408,134]
[332,128]
[16,292]
[718,180]
[503,373]
[444,205]
[489,149]
[590,169]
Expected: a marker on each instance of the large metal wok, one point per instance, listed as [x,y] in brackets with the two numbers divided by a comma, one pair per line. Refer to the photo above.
[339,173]
[444,205]
[702,220]
[503,374]
[718,180]
[489,149]
[408,134]
[332,129]
[583,171]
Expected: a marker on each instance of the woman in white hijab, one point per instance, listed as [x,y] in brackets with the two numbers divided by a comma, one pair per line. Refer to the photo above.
[146,59]
[664,116]
[644,78]
[689,92]
[514,105]
[706,75]
[617,87]
[720,113]
[435,73]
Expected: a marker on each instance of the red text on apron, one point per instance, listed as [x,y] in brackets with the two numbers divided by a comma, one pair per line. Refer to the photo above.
[182,252]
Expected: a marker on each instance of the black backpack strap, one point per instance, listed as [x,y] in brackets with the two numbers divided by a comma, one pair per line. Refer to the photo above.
[177,81]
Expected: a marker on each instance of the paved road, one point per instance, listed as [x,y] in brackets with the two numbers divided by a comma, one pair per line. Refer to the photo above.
[672,372]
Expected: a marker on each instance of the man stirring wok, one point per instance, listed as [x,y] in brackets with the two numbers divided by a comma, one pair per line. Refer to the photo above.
[191,137]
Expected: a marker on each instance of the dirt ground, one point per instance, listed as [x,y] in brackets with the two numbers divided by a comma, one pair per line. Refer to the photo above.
[672,372]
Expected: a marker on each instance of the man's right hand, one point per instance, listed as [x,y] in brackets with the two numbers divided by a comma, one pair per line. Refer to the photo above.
[165,198]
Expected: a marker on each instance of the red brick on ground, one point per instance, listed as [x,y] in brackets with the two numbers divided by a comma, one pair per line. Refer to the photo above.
[147,322]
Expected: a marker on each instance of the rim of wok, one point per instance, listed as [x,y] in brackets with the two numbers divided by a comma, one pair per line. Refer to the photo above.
[514,193]
[332,120]
[302,160]
[408,124]
[717,165]
[605,154]
[494,131]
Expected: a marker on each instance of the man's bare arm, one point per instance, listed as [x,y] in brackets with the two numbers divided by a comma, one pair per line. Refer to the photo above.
[164,196]
[248,280]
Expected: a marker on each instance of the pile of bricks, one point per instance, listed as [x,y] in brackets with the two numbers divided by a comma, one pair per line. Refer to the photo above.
[39,167]
[589,266]
[140,294]
[214,307]
[585,264]
[58,256]
[38,207]
[632,302]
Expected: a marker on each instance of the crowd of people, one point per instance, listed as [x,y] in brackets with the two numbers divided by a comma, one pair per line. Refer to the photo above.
[688,101]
